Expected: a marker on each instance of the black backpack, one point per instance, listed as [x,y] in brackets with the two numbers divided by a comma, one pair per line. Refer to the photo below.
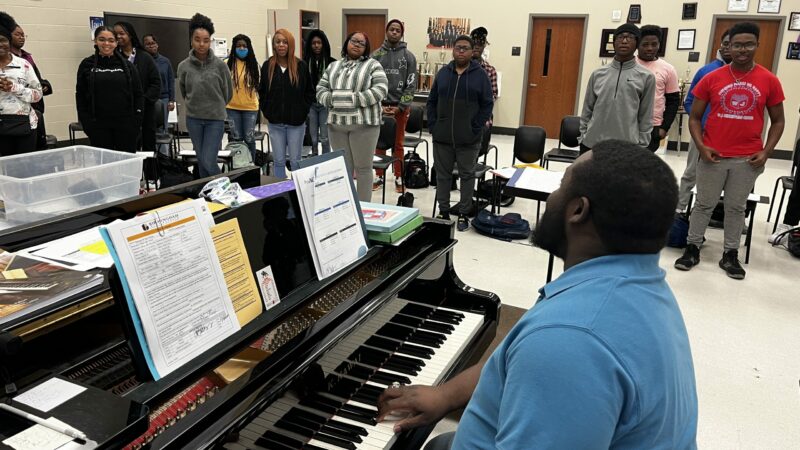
[415,171]
[506,227]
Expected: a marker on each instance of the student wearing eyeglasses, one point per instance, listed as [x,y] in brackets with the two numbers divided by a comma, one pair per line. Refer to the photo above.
[620,96]
[732,153]
[352,89]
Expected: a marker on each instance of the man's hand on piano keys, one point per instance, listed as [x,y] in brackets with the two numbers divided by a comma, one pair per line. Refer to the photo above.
[420,405]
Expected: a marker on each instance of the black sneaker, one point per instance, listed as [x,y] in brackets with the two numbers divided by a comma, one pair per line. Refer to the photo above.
[690,258]
[443,216]
[730,264]
[463,223]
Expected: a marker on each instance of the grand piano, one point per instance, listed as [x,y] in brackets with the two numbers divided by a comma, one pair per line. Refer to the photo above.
[304,374]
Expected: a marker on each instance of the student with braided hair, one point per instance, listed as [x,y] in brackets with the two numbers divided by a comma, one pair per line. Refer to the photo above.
[108,95]
[243,107]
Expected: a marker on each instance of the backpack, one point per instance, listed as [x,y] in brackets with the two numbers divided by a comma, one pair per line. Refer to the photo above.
[793,242]
[415,171]
[406,199]
[240,155]
[486,189]
[678,232]
[506,227]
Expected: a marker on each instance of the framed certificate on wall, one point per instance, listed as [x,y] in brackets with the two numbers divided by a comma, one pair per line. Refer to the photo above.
[738,5]
[769,6]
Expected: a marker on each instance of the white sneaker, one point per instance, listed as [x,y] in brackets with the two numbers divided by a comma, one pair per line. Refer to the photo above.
[782,227]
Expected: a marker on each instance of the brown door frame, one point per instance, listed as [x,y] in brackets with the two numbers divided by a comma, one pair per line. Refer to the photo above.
[524,87]
[360,12]
[776,58]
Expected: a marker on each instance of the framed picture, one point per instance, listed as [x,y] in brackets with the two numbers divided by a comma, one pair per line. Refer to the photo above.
[607,43]
[769,6]
[686,39]
[689,11]
[794,21]
[738,5]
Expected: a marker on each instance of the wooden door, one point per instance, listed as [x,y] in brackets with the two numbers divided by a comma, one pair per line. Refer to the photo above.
[372,24]
[765,55]
[555,57]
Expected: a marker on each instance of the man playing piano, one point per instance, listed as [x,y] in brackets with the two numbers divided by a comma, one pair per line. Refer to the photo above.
[603,359]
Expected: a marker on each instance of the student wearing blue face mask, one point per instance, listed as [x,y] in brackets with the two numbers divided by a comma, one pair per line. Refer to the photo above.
[243,107]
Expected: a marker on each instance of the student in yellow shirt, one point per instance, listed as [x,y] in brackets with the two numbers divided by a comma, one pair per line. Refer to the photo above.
[243,107]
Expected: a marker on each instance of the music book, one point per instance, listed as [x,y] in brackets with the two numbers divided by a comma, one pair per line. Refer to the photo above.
[386,218]
[398,234]
[173,283]
[331,214]
[28,285]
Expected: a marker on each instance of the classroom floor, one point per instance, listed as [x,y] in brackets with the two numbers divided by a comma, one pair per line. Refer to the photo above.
[744,334]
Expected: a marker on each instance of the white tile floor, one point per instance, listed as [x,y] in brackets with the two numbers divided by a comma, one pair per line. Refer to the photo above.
[745,335]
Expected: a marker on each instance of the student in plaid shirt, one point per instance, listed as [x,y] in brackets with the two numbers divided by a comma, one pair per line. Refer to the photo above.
[478,36]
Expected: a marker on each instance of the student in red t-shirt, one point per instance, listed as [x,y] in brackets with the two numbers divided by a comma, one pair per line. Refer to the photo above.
[732,153]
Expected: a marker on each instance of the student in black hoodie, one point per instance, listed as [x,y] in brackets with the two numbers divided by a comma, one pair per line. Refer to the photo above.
[285,95]
[459,104]
[131,48]
[108,95]
[317,55]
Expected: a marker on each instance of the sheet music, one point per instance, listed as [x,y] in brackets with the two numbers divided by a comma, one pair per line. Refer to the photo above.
[174,282]
[538,180]
[330,214]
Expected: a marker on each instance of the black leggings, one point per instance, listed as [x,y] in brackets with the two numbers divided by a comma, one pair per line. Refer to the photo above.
[17,145]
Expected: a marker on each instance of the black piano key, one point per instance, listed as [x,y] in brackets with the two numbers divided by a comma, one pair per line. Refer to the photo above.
[423,340]
[442,316]
[294,428]
[415,350]
[394,331]
[367,420]
[367,399]
[355,370]
[402,368]
[389,378]
[412,362]
[389,345]
[328,421]
[343,443]
[274,436]
[319,425]
[430,335]
[437,327]
[342,387]
[358,410]
[319,405]
[408,321]
[415,310]
[369,356]
[272,445]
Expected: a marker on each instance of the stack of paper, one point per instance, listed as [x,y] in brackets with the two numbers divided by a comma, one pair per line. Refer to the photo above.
[389,223]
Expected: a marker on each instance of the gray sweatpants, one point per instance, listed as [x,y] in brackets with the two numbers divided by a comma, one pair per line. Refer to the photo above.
[737,178]
[358,143]
[689,177]
[445,156]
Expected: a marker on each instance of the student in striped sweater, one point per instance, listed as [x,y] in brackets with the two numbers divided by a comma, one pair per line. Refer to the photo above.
[352,89]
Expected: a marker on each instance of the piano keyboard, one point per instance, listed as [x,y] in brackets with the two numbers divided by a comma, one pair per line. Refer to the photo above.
[405,342]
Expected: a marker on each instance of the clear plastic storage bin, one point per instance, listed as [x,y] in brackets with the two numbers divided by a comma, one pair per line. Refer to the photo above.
[34,186]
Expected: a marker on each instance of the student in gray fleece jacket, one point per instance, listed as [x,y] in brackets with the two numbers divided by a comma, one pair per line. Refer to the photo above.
[619,98]
[205,82]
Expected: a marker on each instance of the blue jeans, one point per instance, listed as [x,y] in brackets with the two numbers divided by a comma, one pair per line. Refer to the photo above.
[206,138]
[244,127]
[318,127]
[286,139]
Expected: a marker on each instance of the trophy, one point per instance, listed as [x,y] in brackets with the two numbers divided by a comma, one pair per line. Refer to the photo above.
[441,62]
[424,76]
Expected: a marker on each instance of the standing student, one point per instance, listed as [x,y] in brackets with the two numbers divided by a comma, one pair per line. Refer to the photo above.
[206,85]
[17,42]
[108,95]
[352,89]
[400,66]
[166,75]
[19,89]
[317,55]
[459,104]
[731,149]
[690,173]
[129,45]
[668,96]
[243,107]
[479,36]
[619,96]
[285,95]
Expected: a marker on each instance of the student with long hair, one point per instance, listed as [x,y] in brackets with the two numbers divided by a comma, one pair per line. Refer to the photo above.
[352,89]
[317,55]
[108,95]
[206,85]
[243,107]
[285,96]
[19,89]
[130,47]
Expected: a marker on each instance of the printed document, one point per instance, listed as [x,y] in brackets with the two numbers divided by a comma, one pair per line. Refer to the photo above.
[330,214]
[174,283]
[236,269]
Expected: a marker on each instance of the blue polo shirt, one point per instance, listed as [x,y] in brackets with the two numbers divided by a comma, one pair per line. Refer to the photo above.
[602,361]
